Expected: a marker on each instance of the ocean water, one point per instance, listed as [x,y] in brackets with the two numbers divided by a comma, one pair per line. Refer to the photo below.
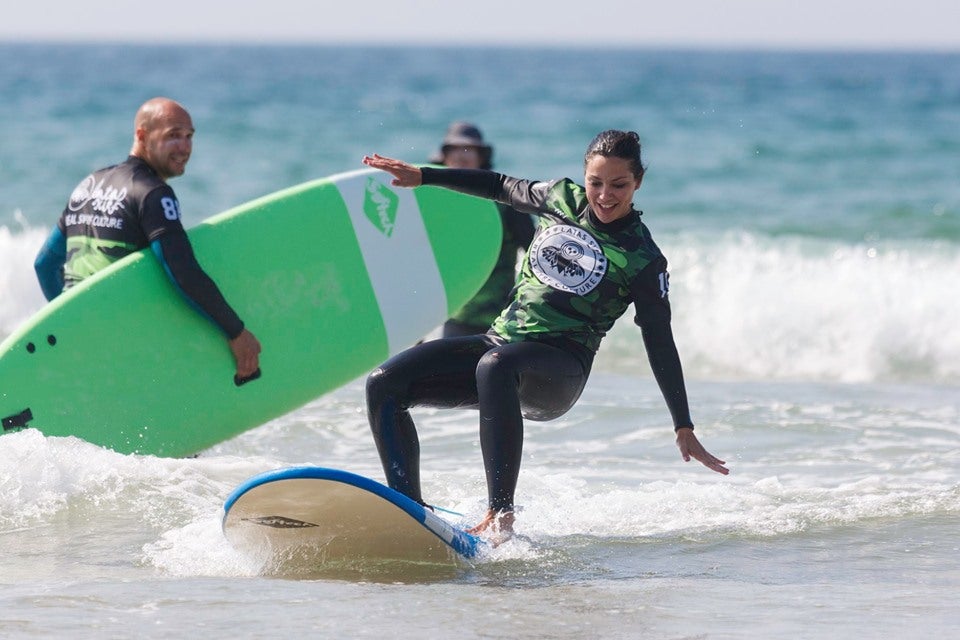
[809,204]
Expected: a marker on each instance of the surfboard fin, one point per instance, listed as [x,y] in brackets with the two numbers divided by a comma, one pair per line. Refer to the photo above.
[237,380]
[17,420]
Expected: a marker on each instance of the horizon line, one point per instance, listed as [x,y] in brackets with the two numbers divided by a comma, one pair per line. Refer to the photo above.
[677,45]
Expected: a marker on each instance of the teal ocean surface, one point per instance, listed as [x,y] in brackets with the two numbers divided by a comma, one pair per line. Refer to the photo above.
[809,204]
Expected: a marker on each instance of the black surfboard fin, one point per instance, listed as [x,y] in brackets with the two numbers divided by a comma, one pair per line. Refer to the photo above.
[237,380]
[17,420]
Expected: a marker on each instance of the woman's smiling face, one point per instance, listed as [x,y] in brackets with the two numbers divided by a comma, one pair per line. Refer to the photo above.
[610,185]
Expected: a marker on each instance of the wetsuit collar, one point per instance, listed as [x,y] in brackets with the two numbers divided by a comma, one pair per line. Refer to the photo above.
[132,159]
[617,225]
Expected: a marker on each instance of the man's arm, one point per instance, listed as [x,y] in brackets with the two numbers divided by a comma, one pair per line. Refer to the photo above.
[179,262]
[49,264]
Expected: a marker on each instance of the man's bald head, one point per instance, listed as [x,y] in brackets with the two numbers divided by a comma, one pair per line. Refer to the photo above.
[163,136]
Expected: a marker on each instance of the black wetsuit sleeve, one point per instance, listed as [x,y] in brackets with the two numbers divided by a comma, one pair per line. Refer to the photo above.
[523,195]
[476,182]
[178,260]
[653,317]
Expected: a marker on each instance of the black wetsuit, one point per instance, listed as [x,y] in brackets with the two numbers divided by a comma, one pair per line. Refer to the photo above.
[579,276]
[119,210]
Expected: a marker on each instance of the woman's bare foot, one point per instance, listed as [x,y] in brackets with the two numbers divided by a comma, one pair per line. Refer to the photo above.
[496,527]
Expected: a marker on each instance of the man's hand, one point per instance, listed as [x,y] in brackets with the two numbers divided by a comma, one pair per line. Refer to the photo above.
[246,353]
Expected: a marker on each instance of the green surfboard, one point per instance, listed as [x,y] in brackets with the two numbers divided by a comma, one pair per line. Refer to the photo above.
[333,276]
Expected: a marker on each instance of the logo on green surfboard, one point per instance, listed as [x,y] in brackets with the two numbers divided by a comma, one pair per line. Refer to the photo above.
[380,206]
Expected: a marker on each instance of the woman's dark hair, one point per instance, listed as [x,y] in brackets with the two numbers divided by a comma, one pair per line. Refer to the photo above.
[617,144]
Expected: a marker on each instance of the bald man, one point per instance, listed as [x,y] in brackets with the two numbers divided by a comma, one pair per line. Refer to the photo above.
[129,206]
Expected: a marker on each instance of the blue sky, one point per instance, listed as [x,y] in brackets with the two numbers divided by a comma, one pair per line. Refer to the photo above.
[846,24]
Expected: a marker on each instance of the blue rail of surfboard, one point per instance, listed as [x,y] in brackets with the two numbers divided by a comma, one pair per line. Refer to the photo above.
[460,541]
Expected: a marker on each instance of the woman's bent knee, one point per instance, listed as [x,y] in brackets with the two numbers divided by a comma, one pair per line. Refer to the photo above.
[378,386]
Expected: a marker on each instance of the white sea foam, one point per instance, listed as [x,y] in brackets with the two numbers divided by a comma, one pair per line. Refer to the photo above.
[20,295]
[755,307]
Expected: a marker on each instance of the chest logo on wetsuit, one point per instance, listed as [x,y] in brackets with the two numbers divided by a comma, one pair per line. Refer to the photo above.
[568,258]
[103,198]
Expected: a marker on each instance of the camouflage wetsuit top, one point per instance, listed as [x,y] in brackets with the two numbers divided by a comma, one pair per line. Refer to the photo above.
[580,275]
